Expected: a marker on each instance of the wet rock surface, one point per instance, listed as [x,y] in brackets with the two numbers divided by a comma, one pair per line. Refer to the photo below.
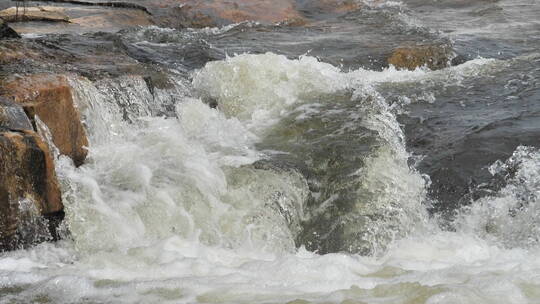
[13,117]
[433,56]
[208,13]
[48,98]
[7,32]
[315,8]
[81,19]
[28,188]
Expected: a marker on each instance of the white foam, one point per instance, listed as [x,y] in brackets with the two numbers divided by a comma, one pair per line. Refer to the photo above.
[164,211]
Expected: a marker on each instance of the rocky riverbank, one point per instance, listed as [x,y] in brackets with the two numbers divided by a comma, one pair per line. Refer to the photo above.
[67,41]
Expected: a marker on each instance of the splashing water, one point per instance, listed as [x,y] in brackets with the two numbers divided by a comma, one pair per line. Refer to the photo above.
[212,205]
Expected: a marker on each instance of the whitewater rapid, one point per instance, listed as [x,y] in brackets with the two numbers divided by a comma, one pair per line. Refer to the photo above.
[184,206]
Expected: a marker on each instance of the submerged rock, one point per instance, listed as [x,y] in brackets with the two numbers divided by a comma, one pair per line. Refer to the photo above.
[49,97]
[434,56]
[6,31]
[28,188]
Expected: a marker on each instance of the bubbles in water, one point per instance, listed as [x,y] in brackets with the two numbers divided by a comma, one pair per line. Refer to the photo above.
[510,216]
[258,87]
[185,208]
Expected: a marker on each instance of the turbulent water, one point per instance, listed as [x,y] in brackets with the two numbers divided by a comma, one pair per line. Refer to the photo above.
[287,170]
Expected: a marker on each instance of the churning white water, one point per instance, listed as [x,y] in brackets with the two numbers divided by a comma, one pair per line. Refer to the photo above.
[172,209]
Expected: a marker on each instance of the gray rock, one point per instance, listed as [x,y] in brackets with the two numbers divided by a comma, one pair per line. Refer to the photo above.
[6,32]
[13,117]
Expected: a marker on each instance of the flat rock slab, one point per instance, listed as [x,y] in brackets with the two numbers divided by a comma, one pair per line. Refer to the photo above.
[192,13]
[77,19]
[208,13]
[41,13]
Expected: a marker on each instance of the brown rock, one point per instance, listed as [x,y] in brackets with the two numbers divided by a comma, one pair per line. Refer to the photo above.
[41,13]
[410,57]
[337,6]
[28,188]
[209,13]
[106,18]
[49,97]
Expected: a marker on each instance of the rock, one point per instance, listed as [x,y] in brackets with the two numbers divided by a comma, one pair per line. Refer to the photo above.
[107,18]
[28,189]
[435,56]
[340,6]
[41,13]
[211,13]
[7,32]
[186,13]
[332,6]
[12,51]
[77,19]
[49,97]
[12,117]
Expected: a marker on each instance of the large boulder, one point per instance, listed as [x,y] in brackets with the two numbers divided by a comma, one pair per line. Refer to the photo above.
[434,56]
[28,188]
[49,97]
[7,32]
[209,13]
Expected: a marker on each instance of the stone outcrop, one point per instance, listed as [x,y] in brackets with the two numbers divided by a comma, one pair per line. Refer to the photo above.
[28,183]
[434,56]
[49,97]
[106,18]
[76,19]
[96,15]
[7,32]
[41,13]
[210,13]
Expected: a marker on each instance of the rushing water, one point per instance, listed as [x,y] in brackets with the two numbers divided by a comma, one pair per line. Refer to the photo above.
[286,170]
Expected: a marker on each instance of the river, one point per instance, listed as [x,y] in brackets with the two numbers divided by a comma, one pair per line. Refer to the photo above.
[292,166]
